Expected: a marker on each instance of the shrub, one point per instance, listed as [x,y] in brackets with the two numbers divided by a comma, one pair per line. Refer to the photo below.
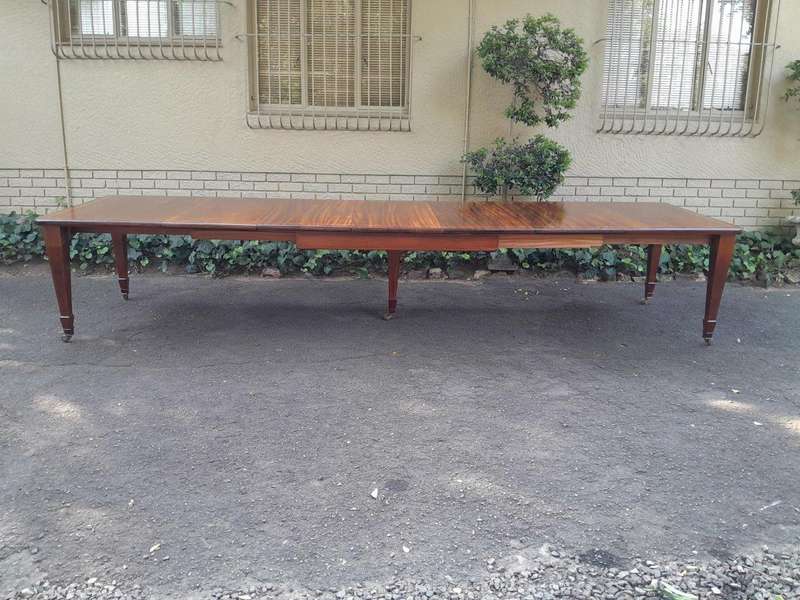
[534,169]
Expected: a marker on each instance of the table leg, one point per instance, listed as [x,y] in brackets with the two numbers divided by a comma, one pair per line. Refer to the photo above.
[653,261]
[395,258]
[56,240]
[120,243]
[719,263]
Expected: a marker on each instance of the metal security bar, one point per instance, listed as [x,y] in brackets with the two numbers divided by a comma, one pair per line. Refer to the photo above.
[330,65]
[688,67]
[136,29]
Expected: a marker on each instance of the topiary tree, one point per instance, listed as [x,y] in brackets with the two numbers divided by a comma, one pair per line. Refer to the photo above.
[543,63]
[793,92]
[794,80]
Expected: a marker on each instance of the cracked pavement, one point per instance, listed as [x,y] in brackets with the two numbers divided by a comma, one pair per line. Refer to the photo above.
[240,425]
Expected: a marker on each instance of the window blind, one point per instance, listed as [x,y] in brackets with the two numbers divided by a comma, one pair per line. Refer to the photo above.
[730,39]
[92,17]
[384,47]
[196,18]
[145,19]
[331,39]
[677,49]
[627,53]
[279,51]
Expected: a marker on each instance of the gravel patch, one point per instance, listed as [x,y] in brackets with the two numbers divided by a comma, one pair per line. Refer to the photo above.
[542,574]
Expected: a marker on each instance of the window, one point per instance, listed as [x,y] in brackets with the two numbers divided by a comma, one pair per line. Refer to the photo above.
[692,67]
[179,29]
[330,64]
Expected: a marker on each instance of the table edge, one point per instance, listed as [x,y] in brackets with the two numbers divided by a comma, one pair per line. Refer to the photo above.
[245,227]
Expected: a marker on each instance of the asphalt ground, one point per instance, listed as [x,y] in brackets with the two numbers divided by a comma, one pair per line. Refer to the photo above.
[211,432]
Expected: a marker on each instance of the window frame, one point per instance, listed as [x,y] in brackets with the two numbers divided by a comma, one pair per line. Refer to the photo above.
[62,20]
[306,110]
[754,83]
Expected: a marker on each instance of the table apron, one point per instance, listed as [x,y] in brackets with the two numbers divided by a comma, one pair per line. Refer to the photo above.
[445,242]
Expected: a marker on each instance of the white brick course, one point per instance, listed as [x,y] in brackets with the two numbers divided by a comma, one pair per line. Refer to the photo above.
[750,203]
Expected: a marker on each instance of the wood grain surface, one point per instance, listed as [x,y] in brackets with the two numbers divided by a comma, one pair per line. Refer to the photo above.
[377,216]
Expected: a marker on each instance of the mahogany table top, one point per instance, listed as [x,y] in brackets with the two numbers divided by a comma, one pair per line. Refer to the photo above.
[385,216]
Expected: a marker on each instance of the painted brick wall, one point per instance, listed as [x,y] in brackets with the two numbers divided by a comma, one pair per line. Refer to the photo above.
[750,203]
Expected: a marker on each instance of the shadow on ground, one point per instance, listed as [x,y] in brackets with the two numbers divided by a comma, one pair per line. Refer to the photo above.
[214,431]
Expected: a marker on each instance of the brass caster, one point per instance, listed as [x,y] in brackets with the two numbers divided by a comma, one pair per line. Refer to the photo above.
[645,302]
[388,316]
[66,338]
[125,296]
[707,341]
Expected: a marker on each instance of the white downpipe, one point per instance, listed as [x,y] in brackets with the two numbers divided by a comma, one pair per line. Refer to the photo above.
[468,99]
[67,179]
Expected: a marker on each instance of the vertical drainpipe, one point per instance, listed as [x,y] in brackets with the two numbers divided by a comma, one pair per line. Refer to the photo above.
[67,178]
[468,99]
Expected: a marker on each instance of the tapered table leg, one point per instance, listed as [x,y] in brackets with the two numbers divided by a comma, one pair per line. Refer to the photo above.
[395,258]
[120,243]
[653,261]
[56,240]
[719,263]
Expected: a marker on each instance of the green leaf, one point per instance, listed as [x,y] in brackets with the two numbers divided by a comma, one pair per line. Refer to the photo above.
[670,592]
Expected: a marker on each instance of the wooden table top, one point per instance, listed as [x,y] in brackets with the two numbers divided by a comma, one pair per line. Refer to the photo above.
[384,216]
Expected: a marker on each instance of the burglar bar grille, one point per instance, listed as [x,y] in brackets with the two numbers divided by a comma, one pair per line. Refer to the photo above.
[330,64]
[688,67]
[136,29]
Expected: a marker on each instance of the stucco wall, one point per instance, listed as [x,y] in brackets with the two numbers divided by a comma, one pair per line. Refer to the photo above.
[189,116]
